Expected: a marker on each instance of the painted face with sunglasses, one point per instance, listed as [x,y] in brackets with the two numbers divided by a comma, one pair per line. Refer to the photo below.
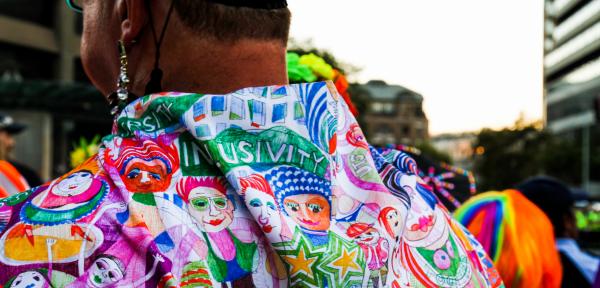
[211,209]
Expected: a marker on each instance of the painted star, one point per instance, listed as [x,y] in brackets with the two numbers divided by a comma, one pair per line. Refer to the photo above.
[343,263]
[347,261]
[300,263]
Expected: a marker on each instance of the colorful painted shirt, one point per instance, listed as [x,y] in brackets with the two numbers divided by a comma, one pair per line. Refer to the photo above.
[264,187]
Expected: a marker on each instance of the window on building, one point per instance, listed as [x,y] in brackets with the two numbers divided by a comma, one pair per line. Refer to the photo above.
[388,108]
[569,26]
[383,135]
[576,44]
[40,12]
[377,107]
[419,111]
[584,73]
[383,107]
[405,130]
[26,62]
[572,106]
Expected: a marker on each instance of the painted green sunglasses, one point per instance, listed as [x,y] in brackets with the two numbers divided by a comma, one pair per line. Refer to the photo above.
[75,5]
[202,203]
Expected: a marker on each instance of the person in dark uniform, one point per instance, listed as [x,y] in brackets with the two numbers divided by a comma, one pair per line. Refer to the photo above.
[8,129]
[556,200]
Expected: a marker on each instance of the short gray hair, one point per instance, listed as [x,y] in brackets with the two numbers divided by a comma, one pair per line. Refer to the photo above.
[228,23]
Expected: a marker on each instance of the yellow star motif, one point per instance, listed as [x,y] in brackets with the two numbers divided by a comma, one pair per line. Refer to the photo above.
[346,261]
[300,263]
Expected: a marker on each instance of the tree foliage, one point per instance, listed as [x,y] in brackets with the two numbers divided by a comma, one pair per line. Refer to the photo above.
[511,155]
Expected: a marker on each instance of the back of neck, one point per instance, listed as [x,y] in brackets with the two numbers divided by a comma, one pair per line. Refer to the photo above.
[226,68]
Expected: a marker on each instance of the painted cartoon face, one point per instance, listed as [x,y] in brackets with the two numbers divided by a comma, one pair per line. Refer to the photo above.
[212,209]
[146,176]
[310,211]
[262,206]
[105,272]
[29,279]
[369,237]
[74,184]
[394,222]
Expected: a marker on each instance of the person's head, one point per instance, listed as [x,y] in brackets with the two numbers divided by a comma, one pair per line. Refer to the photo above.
[106,271]
[207,202]
[556,200]
[260,200]
[303,196]
[517,235]
[198,31]
[8,128]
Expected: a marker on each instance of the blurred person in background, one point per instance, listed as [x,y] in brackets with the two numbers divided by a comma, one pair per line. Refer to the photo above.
[517,235]
[557,202]
[14,177]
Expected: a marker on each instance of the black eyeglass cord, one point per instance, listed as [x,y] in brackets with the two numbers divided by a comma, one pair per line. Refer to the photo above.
[154,85]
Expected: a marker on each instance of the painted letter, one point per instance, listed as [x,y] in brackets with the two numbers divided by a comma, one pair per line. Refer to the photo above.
[302,155]
[226,157]
[248,157]
[148,126]
[275,158]
[317,161]
[290,151]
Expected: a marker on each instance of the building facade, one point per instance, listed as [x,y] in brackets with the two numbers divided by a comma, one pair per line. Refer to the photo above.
[572,77]
[458,146]
[42,83]
[392,114]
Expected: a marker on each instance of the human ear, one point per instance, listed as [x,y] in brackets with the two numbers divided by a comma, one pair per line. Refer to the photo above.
[133,14]
[570,225]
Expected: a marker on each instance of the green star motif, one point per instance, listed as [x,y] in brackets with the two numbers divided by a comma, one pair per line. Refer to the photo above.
[340,263]
[344,263]
[301,259]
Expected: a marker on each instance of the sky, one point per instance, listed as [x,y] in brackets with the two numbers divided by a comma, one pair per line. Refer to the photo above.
[477,63]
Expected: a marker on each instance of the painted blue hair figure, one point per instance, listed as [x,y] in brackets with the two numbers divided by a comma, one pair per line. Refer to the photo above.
[306,198]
